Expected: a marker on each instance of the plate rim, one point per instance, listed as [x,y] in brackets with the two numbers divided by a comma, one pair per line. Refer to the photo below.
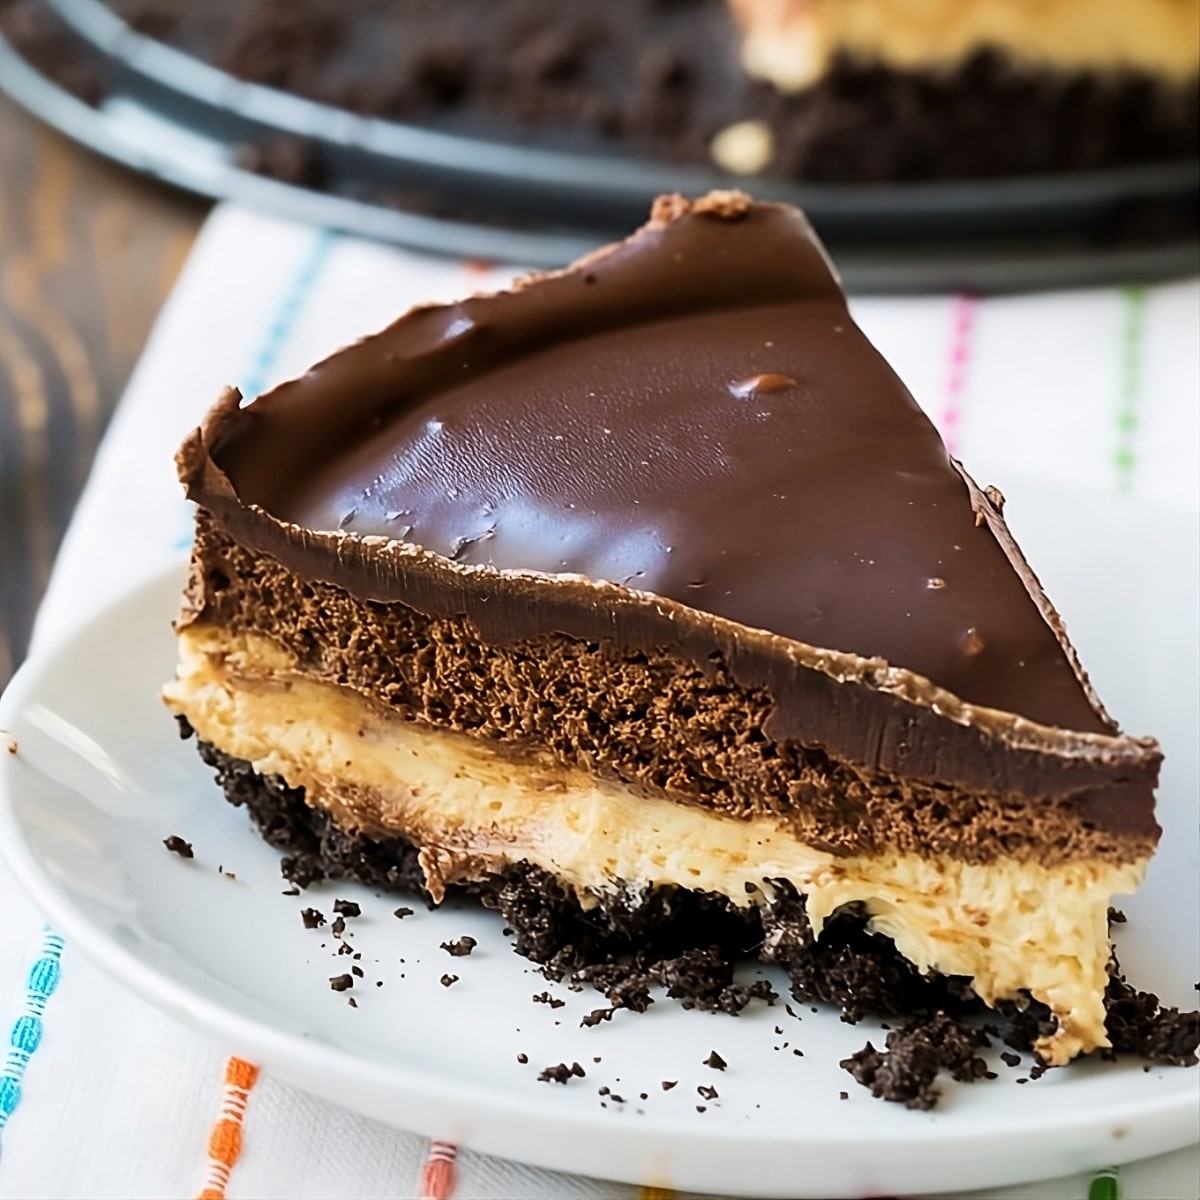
[477,1103]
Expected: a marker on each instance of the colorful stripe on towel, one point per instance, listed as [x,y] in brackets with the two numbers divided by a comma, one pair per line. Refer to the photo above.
[437,1176]
[291,304]
[26,1033]
[266,354]
[962,327]
[1129,385]
[225,1139]
[1106,1186]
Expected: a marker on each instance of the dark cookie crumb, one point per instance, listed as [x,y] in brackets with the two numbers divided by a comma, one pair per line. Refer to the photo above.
[1139,1024]
[906,1070]
[615,1098]
[560,1073]
[604,1089]
[715,1061]
[699,978]
[292,891]
[522,1058]
[347,908]
[701,1108]
[1116,916]
[357,970]
[709,1093]
[546,998]
[447,980]
[843,1095]
[313,918]
[1010,1059]
[460,948]
[402,912]
[352,1002]
[340,983]
[177,845]
[596,1016]
[668,1084]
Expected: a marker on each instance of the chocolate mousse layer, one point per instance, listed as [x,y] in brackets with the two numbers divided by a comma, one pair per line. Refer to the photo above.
[677,466]
[658,720]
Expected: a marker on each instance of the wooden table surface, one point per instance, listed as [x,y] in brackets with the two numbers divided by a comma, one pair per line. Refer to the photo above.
[88,252]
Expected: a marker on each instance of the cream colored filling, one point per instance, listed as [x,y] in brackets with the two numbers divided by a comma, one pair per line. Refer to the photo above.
[1008,925]
[792,43]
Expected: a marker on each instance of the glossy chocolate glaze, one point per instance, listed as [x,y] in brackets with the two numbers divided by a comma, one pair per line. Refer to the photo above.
[692,414]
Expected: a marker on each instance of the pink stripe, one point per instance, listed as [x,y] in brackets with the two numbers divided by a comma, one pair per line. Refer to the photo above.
[437,1177]
[963,326]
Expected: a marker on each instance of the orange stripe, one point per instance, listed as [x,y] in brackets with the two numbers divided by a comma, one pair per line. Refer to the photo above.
[225,1139]
[650,1192]
[437,1178]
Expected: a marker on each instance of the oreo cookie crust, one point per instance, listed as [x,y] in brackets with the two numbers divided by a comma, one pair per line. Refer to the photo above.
[689,944]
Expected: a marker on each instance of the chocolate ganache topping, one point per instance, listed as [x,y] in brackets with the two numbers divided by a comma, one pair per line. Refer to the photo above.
[693,414]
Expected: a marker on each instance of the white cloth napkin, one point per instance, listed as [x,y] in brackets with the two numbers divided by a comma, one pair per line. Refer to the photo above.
[1101,388]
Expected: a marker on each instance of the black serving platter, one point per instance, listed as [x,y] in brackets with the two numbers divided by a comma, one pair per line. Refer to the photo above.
[168,114]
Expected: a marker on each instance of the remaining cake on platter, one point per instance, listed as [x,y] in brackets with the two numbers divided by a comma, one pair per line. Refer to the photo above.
[644,602]
[813,90]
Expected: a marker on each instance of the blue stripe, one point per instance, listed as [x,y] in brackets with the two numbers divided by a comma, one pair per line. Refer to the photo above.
[26,1033]
[262,364]
[289,309]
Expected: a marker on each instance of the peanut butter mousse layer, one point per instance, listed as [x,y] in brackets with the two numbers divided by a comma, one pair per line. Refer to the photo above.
[644,601]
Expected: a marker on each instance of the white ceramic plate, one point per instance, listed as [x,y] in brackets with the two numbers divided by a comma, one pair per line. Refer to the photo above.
[100,778]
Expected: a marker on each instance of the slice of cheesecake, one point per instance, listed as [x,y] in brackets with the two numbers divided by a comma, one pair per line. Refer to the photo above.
[643,601]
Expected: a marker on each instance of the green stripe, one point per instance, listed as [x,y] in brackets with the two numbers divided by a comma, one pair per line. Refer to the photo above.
[1106,1186]
[1130,385]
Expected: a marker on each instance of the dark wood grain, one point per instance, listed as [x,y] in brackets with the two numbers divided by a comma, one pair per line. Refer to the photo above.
[88,252]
